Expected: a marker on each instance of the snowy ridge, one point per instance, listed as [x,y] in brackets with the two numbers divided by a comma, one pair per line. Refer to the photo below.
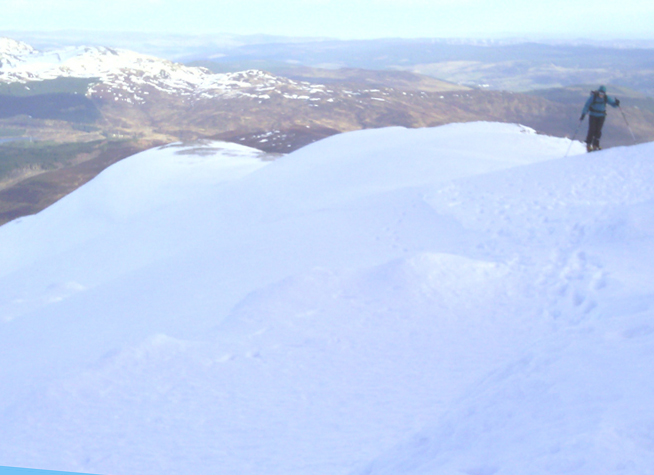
[131,76]
[13,47]
[13,52]
[457,300]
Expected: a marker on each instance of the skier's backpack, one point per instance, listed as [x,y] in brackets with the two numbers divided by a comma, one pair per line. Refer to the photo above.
[598,100]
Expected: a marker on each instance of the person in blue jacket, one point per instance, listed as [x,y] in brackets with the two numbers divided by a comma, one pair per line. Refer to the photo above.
[596,109]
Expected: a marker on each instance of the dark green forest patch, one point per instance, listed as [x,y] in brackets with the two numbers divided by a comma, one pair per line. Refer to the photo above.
[69,107]
[51,86]
[41,155]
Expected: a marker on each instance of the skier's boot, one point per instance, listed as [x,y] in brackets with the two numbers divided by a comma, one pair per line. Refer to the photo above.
[589,148]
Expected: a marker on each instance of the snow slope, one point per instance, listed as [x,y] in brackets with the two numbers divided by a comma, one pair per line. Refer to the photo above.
[456,300]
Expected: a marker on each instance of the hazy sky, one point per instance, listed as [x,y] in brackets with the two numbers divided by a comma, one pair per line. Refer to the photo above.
[595,19]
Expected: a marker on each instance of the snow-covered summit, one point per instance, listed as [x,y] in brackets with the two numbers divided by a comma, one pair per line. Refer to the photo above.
[104,64]
[452,300]
[9,46]
[13,53]
[135,74]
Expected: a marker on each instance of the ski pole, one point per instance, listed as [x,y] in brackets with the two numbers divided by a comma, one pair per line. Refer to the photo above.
[573,138]
[626,122]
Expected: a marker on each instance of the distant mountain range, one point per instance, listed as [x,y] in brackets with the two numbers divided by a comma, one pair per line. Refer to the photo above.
[131,73]
[190,47]
[127,94]
[515,65]
[113,101]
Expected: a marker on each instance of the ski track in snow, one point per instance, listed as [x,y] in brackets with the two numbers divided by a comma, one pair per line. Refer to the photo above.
[457,300]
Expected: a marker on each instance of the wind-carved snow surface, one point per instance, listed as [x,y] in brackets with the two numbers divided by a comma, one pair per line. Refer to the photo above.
[456,300]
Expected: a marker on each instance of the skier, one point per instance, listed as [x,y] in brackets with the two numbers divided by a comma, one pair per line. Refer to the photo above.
[596,109]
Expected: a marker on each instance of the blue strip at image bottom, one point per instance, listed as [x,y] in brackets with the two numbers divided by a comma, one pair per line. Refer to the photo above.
[33,471]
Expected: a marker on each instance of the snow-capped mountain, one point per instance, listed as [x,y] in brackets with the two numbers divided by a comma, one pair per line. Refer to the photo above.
[143,96]
[14,48]
[451,300]
[131,75]
[13,52]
